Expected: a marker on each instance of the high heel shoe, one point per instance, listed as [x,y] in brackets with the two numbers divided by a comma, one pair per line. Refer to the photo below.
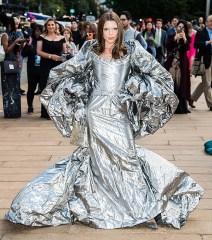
[158,219]
[191,103]
[151,224]
[72,219]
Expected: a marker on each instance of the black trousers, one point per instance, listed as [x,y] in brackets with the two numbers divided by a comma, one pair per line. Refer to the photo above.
[33,79]
[159,55]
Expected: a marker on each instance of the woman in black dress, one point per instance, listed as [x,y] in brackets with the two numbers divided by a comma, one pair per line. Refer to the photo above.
[178,65]
[50,46]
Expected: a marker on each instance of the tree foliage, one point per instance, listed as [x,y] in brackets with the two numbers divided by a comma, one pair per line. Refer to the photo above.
[82,6]
[53,8]
[165,9]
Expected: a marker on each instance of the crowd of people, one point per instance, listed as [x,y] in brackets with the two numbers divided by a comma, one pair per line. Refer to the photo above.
[173,44]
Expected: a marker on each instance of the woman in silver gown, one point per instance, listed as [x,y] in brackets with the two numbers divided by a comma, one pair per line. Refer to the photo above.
[104,98]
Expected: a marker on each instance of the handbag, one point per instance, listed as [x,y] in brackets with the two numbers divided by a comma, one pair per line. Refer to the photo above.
[10,67]
[198,67]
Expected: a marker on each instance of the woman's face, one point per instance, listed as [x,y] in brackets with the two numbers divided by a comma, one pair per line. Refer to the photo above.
[174,22]
[74,25]
[149,26]
[57,26]
[67,35]
[37,32]
[16,22]
[87,28]
[180,27]
[110,32]
[51,26]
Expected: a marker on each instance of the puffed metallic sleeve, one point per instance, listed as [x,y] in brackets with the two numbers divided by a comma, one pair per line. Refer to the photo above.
[152,101]
[67,90]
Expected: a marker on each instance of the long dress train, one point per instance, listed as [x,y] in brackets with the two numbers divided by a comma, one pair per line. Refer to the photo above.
[108,182]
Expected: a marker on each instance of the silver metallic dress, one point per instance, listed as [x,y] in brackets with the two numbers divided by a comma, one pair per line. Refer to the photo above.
[108,182]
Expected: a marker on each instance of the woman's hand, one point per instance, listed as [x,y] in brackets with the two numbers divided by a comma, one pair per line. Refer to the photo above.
[18,40]
[182,34]
[71,52]
[55,57]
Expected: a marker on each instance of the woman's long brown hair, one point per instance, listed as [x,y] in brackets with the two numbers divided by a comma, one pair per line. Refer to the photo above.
[45,31]
[118,50]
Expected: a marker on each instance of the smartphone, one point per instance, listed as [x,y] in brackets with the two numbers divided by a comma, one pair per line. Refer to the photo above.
[179,30]
[90,36]
[63,57]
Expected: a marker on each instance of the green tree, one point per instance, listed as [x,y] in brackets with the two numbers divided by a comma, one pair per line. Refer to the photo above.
[166,9]
[53,8]
[85,6]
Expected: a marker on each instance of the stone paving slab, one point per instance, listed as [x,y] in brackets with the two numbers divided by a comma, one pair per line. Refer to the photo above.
[205,204]
[183,142]
[8,171]
[12,186]
[11,158]
[167,137]
[25,152]
[205,185]
[102,236]
[193,157]
[15,178]
[193,170]
[30,145]
[7,194]
[26,164]
[187,163]
[207,237]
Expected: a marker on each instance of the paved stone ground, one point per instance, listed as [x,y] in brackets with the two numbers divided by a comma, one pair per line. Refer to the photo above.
[29,145]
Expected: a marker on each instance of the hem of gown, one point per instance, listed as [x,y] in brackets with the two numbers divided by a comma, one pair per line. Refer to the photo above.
[142,221]
[191,193]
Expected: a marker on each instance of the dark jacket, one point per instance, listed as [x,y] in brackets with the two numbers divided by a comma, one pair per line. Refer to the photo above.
[30,51]
[182,48]
[199,43]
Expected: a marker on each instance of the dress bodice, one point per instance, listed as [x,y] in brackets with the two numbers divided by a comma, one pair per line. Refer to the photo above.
[51,47]
[110,75]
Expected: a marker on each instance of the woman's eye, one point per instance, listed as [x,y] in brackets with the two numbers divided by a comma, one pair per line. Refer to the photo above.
[107,29]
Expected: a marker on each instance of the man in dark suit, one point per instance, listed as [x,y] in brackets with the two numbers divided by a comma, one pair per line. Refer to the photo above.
[203,42]
[160,37]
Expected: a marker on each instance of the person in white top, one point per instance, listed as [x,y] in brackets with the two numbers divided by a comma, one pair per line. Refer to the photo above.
[70,46]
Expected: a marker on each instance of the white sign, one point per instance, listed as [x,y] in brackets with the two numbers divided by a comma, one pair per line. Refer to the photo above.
[91,19]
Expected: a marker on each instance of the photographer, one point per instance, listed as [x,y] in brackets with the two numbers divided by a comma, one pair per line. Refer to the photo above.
[33,66]
[178,65]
